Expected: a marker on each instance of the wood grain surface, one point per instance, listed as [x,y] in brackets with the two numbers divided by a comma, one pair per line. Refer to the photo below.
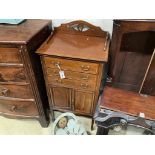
[128,102]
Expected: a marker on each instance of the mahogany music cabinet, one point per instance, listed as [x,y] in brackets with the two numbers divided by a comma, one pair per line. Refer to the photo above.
[22,88]
[73,61]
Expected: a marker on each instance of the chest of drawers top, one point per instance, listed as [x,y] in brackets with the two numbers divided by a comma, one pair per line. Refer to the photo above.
[22,33]
[79,40]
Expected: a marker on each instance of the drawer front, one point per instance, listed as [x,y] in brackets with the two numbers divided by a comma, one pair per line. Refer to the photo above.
[16,91]
[10,55]
[89,78]
[72,84]
[19,108]
[77,66]
[12,74]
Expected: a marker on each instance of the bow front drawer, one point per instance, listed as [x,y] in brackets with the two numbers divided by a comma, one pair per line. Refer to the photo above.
[18,108]
[12,74]
[10,55]
[16,91]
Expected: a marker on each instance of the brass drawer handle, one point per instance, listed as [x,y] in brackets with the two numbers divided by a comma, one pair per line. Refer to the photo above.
[85,78]
[84,85]
[4,92]
[58,81]
[13,108]
[85,68]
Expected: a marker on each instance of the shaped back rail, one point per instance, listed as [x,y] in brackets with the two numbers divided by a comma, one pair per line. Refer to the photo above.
[80,27]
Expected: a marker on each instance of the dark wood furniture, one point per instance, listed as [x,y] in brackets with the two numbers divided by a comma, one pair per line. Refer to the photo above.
[80,50]
[119,107]
[123,101]
[22,88]
[132,63]
[133,43]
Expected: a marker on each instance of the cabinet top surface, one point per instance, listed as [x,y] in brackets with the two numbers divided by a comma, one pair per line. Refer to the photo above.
[128,102]
[22,33]
[82,45]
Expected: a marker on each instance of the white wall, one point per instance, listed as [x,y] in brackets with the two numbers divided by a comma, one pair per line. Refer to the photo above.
[105,24]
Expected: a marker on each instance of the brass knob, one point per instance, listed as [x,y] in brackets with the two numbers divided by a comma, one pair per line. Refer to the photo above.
[85,78]
[85,68]
[84,85]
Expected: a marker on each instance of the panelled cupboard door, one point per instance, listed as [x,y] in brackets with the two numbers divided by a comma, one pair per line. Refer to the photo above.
[61,97]
[83,102]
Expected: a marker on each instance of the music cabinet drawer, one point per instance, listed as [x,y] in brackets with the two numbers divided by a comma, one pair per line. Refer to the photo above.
[18,107]
[10,55]
[72,84]
[90,78]
[76,66]
[12,74]
[16,91]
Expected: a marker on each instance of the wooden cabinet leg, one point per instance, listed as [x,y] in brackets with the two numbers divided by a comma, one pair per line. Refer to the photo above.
[102,131]
[53,115]
[44,122]
[92,124]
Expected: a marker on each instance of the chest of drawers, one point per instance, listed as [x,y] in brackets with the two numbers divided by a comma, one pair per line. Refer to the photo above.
[79,54]
[22,89]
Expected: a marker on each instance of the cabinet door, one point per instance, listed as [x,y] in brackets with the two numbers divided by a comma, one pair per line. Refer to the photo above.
[61,97]
[83,102]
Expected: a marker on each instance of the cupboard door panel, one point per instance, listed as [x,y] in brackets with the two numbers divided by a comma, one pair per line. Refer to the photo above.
[83,102]
[61,97]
